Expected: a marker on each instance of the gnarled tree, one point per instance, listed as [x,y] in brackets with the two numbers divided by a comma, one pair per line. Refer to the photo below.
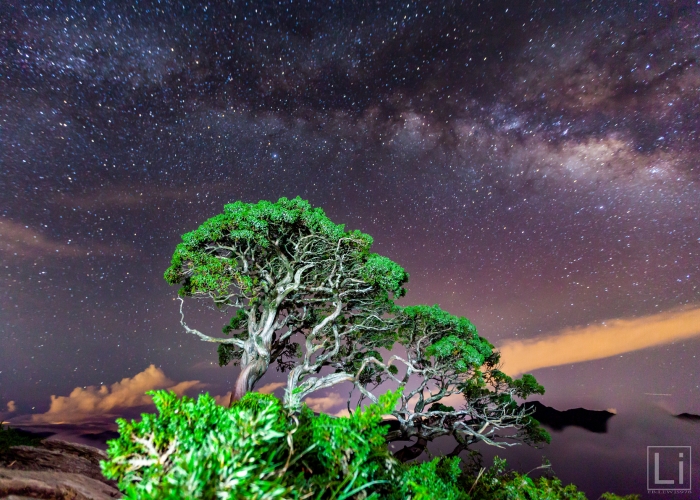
[291,273]
[446,358]
[286,269]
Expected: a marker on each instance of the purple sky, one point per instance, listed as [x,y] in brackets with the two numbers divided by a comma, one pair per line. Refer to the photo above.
[533,165]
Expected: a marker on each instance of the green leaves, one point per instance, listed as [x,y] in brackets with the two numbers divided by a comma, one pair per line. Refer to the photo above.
[200,269]
[228,353]
[437,318]
[499,483]
[198,449]
[533,433]
[239,320]
[451,340]
[460,355]
[438,478]
[262,222]
[17,437]
[441,407]
[385,274]
[526,386]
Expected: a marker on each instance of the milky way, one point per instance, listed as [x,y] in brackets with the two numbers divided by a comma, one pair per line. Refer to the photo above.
[534,166]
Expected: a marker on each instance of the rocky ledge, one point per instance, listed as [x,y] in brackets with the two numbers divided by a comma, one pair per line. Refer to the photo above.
[54,469]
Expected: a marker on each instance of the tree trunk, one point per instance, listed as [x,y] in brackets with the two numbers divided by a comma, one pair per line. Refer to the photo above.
[250,374]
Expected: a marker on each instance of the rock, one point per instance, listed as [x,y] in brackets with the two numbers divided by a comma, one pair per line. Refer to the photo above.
[54,469]
[21,484]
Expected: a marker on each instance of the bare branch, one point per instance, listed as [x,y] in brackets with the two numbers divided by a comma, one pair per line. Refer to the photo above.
[205,338]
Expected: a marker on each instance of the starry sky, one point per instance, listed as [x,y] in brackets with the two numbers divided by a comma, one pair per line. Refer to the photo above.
[533,165]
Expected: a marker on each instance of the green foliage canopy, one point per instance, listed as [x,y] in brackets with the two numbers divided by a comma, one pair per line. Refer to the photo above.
[286,269]
[266,233]
[258,450]
[255,449]
[446,358]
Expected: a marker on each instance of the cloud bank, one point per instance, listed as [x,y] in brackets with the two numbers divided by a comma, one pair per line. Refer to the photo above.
[610,338]
[11,408]
[573,345]
[98,403]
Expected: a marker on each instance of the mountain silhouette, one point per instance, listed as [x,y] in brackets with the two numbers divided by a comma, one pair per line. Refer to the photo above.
[688,416]
[591,420]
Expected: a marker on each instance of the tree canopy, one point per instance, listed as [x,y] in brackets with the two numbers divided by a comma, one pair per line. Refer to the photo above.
[286,269]
[447,361]
[288,272]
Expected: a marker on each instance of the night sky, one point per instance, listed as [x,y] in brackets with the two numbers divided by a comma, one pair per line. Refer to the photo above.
[533,165]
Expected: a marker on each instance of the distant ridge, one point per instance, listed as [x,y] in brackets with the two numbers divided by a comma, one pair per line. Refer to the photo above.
[591,420]
[101,437]
[688,416]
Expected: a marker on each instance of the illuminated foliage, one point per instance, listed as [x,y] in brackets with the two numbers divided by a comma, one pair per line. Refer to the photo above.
[258,450]
[286,269]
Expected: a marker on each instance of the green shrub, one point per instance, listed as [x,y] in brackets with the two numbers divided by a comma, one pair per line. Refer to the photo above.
[439,478]
[349,457]
[257,449]
[500,483]
[198,449]
[17,437]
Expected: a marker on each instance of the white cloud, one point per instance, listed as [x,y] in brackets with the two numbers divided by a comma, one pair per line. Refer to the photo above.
[271,387]
[92,402]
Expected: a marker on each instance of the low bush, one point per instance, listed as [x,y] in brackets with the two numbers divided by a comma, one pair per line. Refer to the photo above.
[198,449]
[17,437]
[257,450]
